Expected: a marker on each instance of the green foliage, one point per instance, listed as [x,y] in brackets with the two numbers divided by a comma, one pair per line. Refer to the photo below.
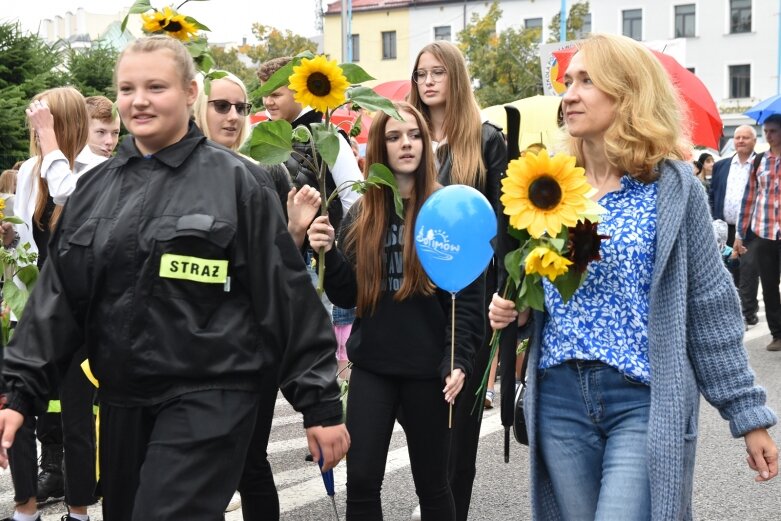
[272,144]
[506,66]
[91,70]
[228,60]
[575,19]
[275,43]
[27,66]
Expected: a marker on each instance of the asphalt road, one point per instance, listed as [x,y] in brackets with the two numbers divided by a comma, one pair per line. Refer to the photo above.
[724,489]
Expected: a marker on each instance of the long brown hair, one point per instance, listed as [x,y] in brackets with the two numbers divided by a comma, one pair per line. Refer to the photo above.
[366,237]
[462,127]
[71,127]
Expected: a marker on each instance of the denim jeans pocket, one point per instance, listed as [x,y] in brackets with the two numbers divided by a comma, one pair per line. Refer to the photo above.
[633,381]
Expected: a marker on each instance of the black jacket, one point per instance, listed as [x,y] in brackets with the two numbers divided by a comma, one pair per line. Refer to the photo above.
[408,338]
[137,272]
[494,150]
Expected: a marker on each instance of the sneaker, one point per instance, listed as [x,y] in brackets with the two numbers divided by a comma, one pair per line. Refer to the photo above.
[234,503]
[489,399]
[415,514]
[67,517]
[775,345]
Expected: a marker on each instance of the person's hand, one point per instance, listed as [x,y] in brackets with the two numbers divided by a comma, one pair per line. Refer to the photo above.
[302,207]
[330,442]
[321,234]
[10,421]
[42,122]
[501,312]
[8,232]
[738,248]
[454,382]
[762,454]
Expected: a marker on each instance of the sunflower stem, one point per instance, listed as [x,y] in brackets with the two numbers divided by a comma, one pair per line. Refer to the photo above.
[324,202]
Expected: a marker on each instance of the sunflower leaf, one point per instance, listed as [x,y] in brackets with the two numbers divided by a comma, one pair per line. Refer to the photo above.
[370,100]
[13,219]
[380,174]
[140,6]
[512,263]
[327,143]
[568,284]
[301,134]
[305,54]
[532,294]
[281,78]
[196,23]
[355,73]
[270,142]
[558,243]
[521,235]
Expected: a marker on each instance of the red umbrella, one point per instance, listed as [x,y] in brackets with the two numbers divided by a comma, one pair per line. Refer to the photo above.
[704,119]
[396,90]
[341,118]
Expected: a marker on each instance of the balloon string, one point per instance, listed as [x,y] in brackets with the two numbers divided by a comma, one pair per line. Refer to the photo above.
[452,349]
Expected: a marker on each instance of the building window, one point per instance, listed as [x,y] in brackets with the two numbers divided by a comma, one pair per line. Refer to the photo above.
[684,21]
[389,45]
[442,33]
[740,16]
[740,81]
[355,41]
[585,29]
[534,24]
[633,23]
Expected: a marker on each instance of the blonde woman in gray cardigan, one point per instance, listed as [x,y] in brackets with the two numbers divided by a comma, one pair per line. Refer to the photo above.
[615,373]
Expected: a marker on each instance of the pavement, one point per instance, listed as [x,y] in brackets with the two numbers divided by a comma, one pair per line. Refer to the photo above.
[724,489]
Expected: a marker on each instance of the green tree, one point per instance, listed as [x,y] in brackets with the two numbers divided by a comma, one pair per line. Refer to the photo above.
[229,60]
[27,66]
[91,70]
[577,15]
[275,43]
[505,67]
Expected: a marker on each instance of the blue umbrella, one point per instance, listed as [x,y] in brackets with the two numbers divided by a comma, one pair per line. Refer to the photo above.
[764,109]
[328,481]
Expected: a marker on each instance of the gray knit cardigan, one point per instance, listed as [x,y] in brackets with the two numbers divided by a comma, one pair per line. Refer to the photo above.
[695,335]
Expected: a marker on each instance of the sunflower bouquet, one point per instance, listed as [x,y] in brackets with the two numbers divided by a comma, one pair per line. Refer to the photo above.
[551,214]
[325,86]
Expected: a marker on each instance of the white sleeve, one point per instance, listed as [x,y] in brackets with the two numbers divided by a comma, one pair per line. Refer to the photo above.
[346,169]
[58,175]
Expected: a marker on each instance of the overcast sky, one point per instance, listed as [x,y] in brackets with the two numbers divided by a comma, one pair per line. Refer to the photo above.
[229,20]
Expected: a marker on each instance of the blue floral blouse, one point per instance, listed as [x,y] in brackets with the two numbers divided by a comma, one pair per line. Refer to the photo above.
[607,317]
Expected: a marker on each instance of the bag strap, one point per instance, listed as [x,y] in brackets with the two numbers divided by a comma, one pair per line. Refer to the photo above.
[757,161]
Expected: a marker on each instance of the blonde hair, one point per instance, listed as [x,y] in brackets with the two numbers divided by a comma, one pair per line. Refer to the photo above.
[202,104]
[71,128]
[156,42]
[463,125]
[649,114]
[8,182]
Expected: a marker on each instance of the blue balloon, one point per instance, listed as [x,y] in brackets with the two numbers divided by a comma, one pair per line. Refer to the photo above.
[453,235]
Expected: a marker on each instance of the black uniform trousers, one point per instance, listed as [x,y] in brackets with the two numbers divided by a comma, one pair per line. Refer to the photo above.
[74,429]
[177,460]
[768,261]
[259,499]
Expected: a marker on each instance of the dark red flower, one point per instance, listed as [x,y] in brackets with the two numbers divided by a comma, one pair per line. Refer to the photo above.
[584,243]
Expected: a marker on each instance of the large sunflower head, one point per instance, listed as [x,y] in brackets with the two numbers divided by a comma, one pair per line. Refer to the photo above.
[546,262]
[170,22]
[319,83]
[542,193]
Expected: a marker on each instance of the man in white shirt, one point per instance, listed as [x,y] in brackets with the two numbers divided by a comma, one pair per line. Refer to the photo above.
[728,183]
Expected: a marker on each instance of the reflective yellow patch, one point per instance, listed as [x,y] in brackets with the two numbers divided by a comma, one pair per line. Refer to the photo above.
[210,271]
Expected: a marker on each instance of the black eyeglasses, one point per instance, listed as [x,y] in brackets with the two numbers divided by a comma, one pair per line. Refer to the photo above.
[437,75]
[224,106]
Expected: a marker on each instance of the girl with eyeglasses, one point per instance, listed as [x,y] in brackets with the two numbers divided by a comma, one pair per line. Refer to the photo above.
[471,153]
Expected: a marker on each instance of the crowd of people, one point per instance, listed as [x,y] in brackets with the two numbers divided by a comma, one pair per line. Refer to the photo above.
[183,272]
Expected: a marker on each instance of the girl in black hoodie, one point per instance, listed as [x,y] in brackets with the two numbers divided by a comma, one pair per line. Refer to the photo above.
[400,341]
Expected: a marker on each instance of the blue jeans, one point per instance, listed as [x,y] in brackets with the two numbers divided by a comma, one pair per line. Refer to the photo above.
[592,425]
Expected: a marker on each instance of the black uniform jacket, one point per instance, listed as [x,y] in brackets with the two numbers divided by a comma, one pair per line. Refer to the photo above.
[178,273]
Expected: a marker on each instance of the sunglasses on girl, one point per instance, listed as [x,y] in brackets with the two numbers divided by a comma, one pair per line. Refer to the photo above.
[224,106]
